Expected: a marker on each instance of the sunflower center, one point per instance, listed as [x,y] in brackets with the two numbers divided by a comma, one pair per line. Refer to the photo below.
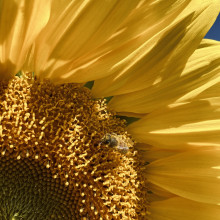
[64,155]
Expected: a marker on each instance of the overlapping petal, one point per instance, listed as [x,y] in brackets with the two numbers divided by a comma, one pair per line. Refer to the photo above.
[201,72]
[193,175]
[187,125]
[182,209]
[80,28]
[151,153]
[21,22]
[156,193]
[114,30]
[162,55]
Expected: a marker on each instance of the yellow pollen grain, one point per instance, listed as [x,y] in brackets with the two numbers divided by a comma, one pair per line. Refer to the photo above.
[51,155]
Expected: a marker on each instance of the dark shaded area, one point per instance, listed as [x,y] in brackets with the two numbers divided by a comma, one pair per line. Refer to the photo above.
[129,120]
[89,84]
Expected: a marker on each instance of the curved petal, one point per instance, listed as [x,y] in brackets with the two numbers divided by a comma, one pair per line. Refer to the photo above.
[200,73]
[21,22]
[156,193]
[157,58]
[212,91]
[134,26]
[208,43]
[187,125]
[147,155]
[80,28]
[182,209]
[194,175]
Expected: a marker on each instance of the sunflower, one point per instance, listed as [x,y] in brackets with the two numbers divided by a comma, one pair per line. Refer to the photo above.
[109,110]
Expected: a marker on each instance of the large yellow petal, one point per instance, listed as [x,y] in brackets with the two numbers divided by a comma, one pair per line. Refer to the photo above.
[159,57]
[201,72]
[185,125]
[212,91]
[208,43]
[146,20]
[182,209]
[80,28]
[21,22]
[147,155]
[194,175]
[156,193]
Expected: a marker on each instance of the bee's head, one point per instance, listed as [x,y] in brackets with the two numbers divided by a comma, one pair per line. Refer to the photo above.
[110,140]
[106,139]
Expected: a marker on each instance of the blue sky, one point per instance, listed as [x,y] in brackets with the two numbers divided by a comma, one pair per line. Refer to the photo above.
[214,32]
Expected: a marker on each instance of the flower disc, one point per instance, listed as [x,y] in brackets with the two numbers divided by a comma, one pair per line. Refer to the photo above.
[52,163]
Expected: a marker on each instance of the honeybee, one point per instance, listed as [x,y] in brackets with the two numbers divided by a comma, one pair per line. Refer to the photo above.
[116,141]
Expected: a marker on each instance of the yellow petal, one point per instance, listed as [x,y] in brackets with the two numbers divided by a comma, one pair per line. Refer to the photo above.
[148,155]
[212,91]
[182,209]
[185,125]
[6,8]
[201,72]
[21,22]
[83,26]
[156,193]
[144,22]
[156,59]
[194,175]
[148,17]
[206,62]
[208,43]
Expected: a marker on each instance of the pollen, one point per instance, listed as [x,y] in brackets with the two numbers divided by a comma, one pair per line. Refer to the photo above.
[53,164]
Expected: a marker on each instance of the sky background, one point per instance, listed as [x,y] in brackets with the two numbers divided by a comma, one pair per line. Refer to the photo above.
[214,32]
